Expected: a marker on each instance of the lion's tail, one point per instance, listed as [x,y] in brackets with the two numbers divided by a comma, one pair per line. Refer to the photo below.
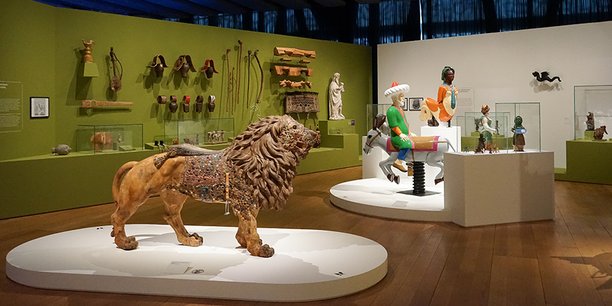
[119,176]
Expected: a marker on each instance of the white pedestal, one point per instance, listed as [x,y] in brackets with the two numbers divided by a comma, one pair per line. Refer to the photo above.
[482,189]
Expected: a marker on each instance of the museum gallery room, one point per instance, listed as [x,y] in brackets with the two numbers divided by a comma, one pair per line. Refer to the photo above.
[312,152]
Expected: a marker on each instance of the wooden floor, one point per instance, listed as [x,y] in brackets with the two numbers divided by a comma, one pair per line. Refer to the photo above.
[563,262]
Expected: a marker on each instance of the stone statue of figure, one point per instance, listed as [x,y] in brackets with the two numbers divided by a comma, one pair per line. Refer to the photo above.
[336,88]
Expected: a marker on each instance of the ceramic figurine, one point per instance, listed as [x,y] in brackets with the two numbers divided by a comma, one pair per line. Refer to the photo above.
[336,88]
[518,140]
[253,173]
[62,149]
[485,129]
[444,107]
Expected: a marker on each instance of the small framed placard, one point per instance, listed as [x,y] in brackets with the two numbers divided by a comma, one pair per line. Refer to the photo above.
[414,104]
[39,107]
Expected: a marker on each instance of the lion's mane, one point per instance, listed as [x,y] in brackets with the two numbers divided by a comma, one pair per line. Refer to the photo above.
[262,163]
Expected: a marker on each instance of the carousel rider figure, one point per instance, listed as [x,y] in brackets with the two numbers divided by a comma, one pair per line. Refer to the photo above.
[397,120]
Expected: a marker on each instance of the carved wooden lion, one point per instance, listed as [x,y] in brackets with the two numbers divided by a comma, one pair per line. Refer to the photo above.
[256,171]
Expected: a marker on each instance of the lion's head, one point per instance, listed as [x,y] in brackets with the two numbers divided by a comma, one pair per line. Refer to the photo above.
[266,154]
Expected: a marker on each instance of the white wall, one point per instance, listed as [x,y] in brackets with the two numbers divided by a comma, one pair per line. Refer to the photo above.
[498,68]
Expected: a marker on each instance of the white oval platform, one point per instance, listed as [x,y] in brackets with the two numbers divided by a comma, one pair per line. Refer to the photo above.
[308,264]
[381,198]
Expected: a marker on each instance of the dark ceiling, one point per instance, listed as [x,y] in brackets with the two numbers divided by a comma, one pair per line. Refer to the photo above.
[185,9]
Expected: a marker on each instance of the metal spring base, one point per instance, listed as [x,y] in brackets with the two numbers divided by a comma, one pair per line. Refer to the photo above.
[418,178]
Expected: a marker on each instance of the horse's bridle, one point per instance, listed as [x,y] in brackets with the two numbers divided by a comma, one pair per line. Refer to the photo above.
[369,141]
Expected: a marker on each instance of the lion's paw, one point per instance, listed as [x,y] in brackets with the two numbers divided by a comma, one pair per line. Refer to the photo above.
[129,243]
[195,240]
[266,251]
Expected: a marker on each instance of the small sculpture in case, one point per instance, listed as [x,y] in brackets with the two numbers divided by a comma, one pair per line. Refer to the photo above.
[518,138]
[599,133]
[61,149]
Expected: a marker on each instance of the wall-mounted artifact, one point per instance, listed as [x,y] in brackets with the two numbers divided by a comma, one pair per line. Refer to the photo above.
[158,64]
[61,149]
[209,68]
[115,82]
[292,71]
[199,104]
[590,123]
[301,102]
[90,69]
[183,65]
[295,52]
[292,84]
[105,104]
[544,76]
[253,173]
[186,102]
[162,99]
[173,105]
[87,52]
[599,132]
[336,88]
[211,103]
[518,139]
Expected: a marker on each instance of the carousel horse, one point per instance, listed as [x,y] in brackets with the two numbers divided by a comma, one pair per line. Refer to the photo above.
[427,149]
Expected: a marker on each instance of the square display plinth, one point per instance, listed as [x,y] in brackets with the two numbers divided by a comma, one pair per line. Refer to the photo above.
[483,189]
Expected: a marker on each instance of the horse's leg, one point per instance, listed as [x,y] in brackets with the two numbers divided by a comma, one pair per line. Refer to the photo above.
[126,205]
[173,204]
[247,231]
[437,160]
[385,165]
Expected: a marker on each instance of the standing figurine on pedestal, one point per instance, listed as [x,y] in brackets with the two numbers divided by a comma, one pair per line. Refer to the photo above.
[336,88]
[397,120]
[444,107]
[518,139]
[486,131]
[590,123]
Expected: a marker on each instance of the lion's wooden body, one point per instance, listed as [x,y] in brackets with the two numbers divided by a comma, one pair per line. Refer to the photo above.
[259,167]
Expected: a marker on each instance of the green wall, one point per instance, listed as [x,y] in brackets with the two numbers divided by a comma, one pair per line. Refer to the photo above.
[43,52]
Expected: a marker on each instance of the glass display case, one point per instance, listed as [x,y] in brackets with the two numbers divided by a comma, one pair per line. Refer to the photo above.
[500,121]
[531,130]
[200,133]
[596,100]
[109,138]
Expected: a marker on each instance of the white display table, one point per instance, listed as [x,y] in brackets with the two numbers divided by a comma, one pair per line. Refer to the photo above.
[482,189]
[308,264]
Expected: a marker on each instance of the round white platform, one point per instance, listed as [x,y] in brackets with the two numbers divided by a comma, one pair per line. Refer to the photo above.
[381,198]
[308,264]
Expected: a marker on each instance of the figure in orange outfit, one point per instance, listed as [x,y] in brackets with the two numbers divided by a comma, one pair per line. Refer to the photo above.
[444,107]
